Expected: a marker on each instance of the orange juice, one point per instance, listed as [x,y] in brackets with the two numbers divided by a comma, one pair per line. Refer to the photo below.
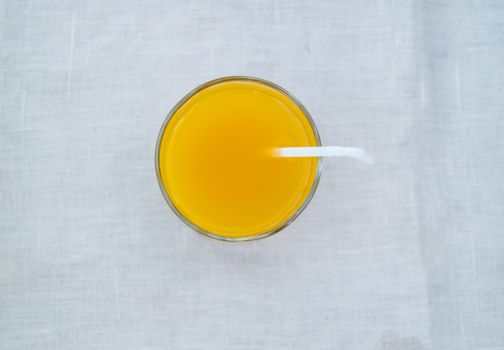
[215,163]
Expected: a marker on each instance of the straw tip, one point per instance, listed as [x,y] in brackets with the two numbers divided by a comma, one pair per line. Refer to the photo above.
[275,152]
[366,158]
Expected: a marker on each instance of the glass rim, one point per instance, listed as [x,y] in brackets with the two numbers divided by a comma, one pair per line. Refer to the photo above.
[186,220]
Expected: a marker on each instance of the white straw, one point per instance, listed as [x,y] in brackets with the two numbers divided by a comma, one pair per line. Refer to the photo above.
[327,151]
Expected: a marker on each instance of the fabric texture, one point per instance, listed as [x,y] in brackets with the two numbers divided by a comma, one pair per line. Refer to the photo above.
[406,254]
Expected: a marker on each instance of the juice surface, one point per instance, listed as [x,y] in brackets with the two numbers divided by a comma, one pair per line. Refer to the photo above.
[216,165]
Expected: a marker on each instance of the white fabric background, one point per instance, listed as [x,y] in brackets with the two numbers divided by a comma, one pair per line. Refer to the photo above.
[404,255]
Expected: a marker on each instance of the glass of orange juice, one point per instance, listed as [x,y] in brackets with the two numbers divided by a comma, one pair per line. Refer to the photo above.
[214,163]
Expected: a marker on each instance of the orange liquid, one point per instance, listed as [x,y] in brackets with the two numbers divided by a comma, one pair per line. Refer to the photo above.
[216,165]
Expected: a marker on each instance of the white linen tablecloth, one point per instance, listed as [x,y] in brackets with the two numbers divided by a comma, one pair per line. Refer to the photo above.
[406,255]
